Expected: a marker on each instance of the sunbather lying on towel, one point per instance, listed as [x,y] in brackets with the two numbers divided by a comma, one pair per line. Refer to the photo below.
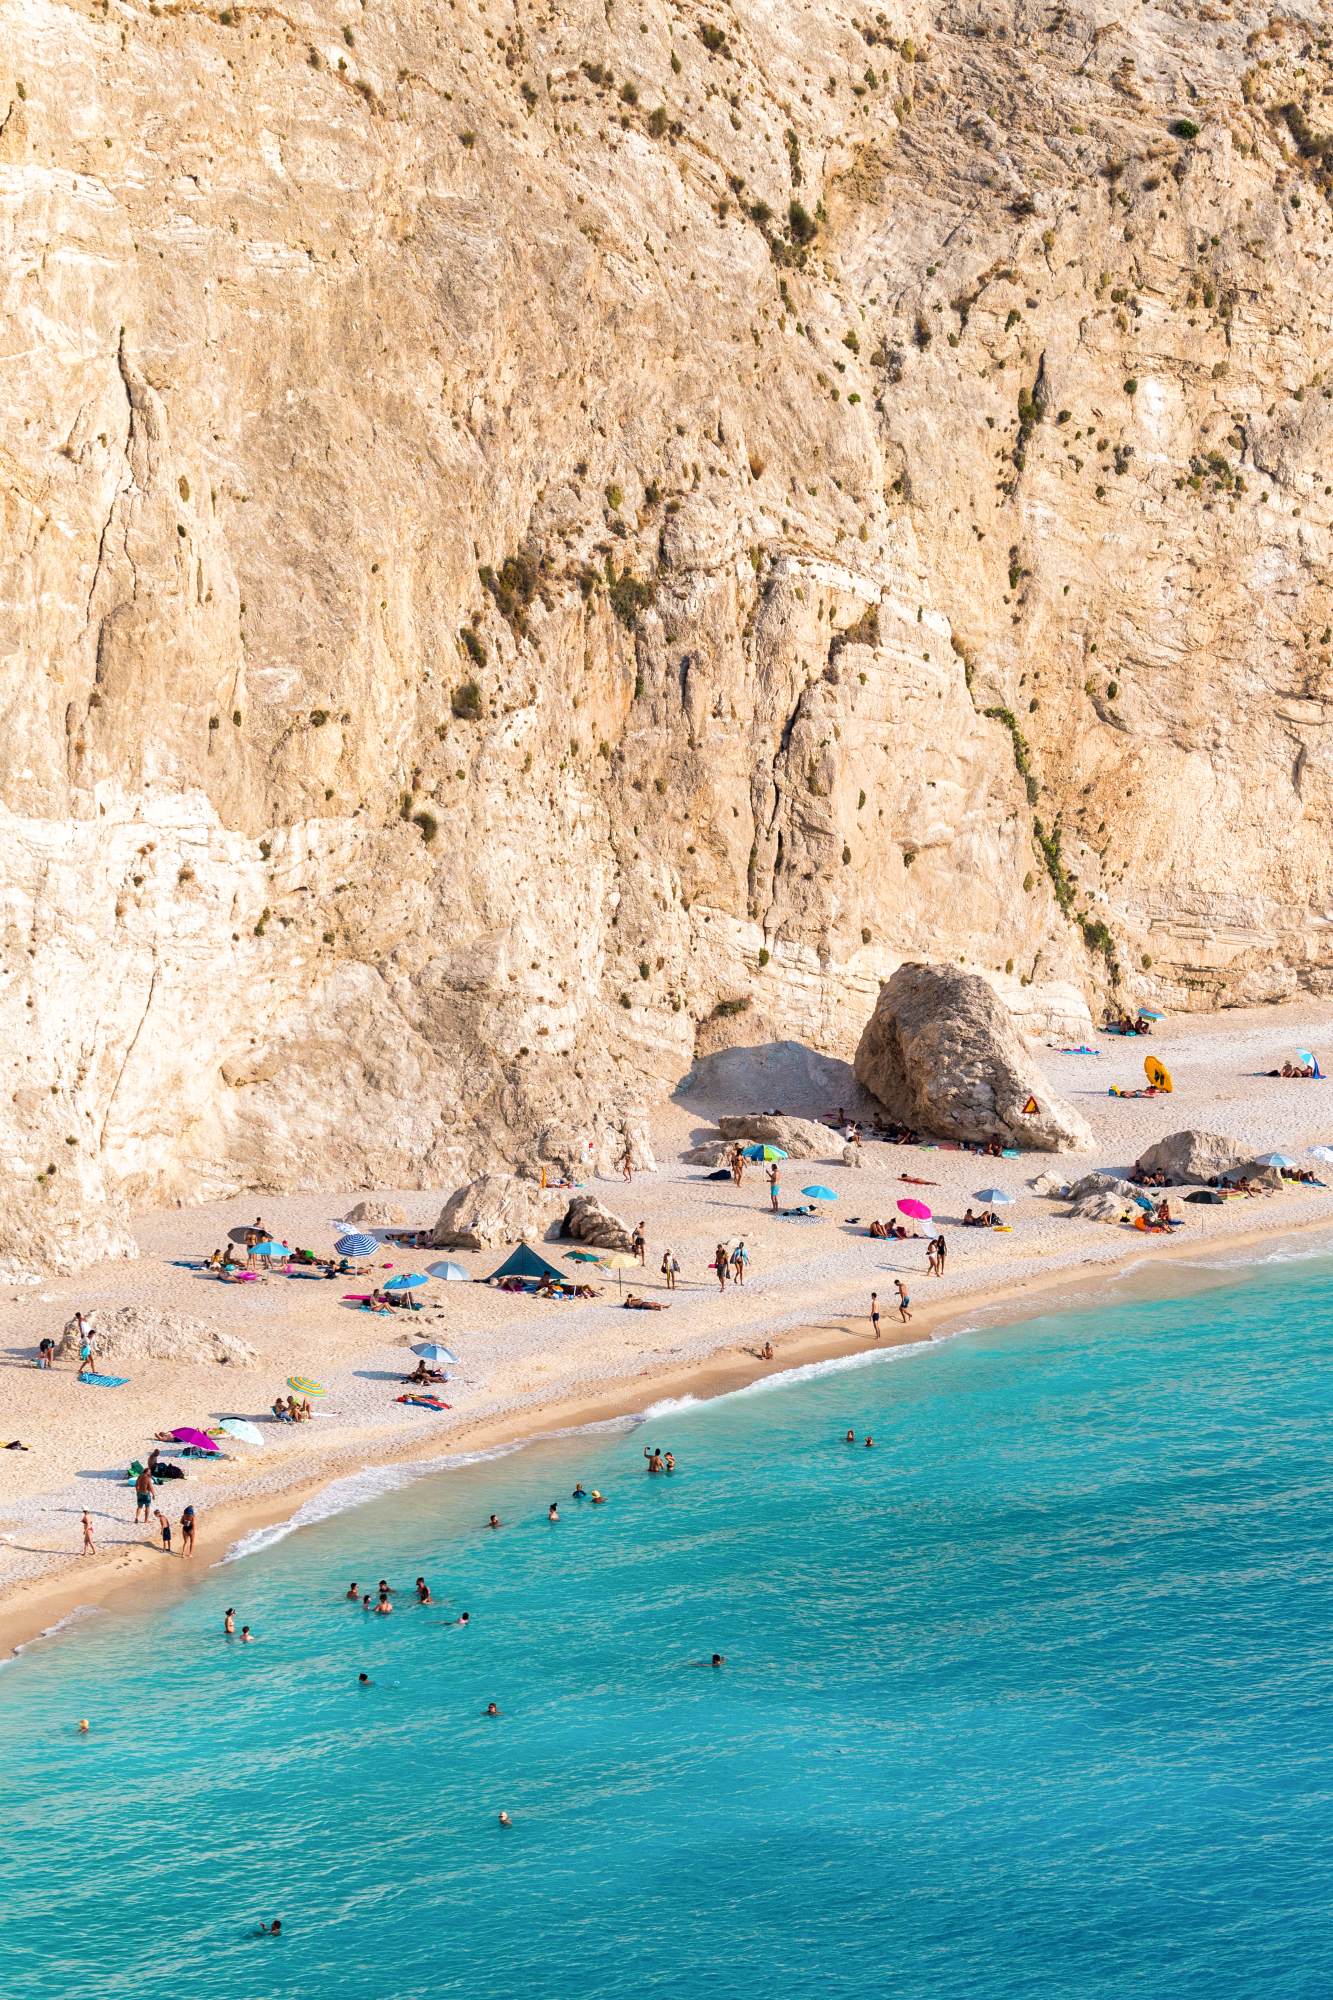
[633,1303]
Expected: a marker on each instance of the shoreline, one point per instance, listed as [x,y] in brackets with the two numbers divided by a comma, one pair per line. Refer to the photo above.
[32,1608]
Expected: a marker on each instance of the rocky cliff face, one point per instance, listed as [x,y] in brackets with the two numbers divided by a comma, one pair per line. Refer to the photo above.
[525,524]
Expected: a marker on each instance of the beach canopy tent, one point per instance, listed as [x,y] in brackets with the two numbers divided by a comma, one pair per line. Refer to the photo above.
[525,1262]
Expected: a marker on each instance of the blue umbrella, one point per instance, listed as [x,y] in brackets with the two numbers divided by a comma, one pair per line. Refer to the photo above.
[765,1152]
[448,1271]
[993,1197]
[430,1350]
[820,1193]
[269,1250]
[1274,1160]
[406,1281]
[1147,1014]
[1144,1201]
[356,1245]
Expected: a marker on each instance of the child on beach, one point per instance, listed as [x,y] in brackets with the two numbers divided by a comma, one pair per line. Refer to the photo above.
[163,1529]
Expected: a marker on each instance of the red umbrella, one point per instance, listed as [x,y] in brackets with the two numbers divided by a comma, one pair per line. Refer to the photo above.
[916,1209]
[199,1439]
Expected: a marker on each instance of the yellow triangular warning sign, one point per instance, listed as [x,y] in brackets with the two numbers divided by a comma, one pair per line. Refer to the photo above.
[1031,1107]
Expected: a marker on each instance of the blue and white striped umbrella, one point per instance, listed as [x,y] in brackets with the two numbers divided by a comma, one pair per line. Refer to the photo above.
[356,1245]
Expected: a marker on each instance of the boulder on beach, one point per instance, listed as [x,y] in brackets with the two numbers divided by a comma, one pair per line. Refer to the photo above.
[588,1220]
[853,1156]
[494,1209]
[381,1214]
[1188,1157]
[1101,1207]
[799,1138]
[1103,1183]
[156,1333]
[712,1153]
[942,1055]
[1049,1183]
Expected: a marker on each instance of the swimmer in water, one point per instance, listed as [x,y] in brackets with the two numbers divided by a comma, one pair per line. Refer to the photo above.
[463,1618]
[553,1512]
[578,1493]
[669,1462]
[505,1819]
[423,1591]
[247,1636]
[494,1521]
[851,1437]
[491,1709]
[229,1622]
[654,1457]
[353,1593]
[270,1930]
[83,1725]
[384,1609]
[365,1602]
[364,1680]
[598,1499]
[870,1444]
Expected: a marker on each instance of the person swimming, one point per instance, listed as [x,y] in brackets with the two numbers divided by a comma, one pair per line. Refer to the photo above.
[553,1512]
[364,1680]
[270,1930]
[598,1499]
[353,1593]
[851,1437]
[505,1819]
[423,1591]
[578,1493]
[494,1521]
[491,1708]
[669,1462]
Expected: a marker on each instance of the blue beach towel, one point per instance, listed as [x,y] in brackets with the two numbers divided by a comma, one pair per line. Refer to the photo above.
[105,1381]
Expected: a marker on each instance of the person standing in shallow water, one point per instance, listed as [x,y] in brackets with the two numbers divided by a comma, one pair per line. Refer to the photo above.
[903,1300]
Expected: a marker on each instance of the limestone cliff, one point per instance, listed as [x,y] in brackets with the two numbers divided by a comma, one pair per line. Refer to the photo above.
[525,524]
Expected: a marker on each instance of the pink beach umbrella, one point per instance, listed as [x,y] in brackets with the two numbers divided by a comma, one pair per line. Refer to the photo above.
[916,1209]
[199,1439]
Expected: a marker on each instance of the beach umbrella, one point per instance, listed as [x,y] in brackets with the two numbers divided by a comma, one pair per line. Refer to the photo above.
[1274,1160]
[241,1233]
[1307,1061]
[993,1197]
[618,1261]
[199,1439]
[301,1385]
[762,1153]
[240,1427]
[356,1245]
[1321,1152]
[406,1281]
[270,1249]
[916,1209]
[820,1193]
[450,1272]
[430,1350]
[1144,1201]
[1147,1014]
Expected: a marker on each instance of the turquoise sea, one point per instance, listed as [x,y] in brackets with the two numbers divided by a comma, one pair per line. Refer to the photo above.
[1032,1699]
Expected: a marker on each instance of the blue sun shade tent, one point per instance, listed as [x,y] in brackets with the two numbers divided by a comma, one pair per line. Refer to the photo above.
[524,1262]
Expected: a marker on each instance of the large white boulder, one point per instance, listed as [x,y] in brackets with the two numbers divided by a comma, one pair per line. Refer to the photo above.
[942,1055]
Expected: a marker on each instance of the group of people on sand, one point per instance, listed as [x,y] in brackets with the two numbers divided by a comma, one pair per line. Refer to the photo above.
[292,1412]
[1296,1069]
[987,1219]
[146,1482]
[1122,1024]
[902,1298]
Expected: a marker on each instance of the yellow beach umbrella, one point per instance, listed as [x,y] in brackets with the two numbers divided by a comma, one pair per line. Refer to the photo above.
[618,1261]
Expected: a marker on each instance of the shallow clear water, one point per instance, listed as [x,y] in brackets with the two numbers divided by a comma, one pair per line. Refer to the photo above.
[1032,1699]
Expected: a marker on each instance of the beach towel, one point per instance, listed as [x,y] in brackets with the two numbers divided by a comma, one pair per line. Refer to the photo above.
[105,1381]
[425,1402]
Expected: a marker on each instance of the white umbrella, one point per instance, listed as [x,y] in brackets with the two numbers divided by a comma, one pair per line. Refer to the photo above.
[451,1272]
[1321,1152]
[240,1427]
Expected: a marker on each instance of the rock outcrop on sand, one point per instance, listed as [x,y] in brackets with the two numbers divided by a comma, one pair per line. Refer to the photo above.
[1101,1205]
[379,1214]
[587,1220]
[1191,1157]
[157,1333]
[493,1209]
[942,1056]
[799,1138]
[499,581]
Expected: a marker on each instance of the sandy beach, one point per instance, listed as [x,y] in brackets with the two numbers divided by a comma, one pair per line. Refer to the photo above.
[528,1367]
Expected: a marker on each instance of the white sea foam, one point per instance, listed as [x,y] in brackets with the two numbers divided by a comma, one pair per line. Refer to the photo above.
[74,1617]
[671,1406]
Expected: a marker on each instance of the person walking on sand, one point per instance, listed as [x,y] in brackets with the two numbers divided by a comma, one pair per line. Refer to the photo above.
[627,1160]
[874,1317]
[740,1257]
[638,1242]
[187,1531]
[670,1269]
[89,1545]
[932,1259]
[774,1187]
[903,1300]
[722,1265]
[941,1250]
